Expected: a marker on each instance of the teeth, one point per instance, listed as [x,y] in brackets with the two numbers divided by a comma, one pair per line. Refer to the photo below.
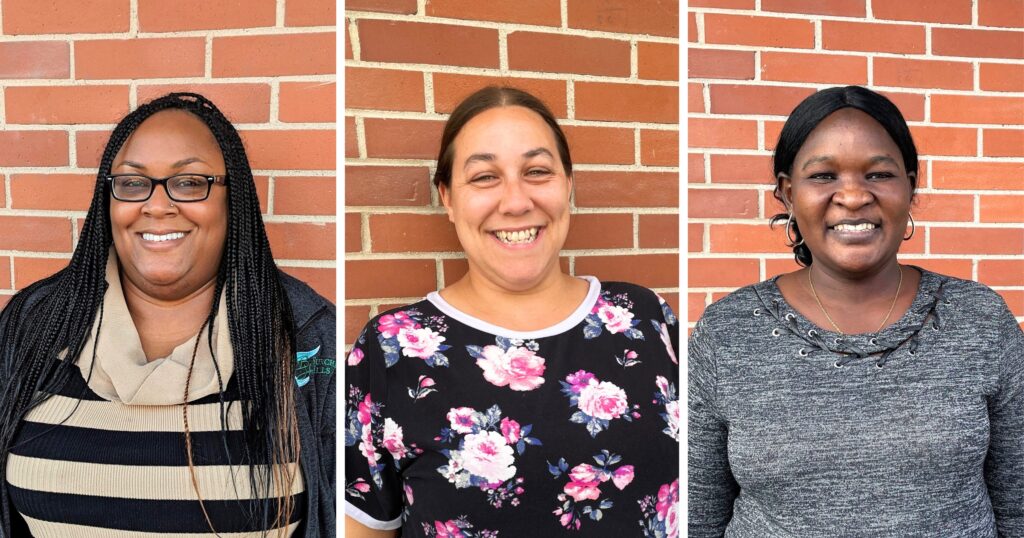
[167,237]
[517,237]
[854,227]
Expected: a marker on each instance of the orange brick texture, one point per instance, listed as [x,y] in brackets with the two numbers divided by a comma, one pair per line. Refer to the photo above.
[70,70]
[608,69]
[956,70]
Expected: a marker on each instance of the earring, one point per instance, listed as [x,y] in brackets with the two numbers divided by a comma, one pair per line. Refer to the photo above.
[913,227]
[789,236]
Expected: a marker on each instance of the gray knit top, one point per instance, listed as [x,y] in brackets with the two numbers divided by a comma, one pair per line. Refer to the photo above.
[914,431]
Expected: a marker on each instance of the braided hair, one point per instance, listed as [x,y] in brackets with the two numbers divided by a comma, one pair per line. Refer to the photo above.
[260,321]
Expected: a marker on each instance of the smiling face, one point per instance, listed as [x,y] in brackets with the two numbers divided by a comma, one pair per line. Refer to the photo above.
[850,193]
[509,197]
[168,250]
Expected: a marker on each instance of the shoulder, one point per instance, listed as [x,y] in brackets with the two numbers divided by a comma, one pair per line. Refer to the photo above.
[740,302]
[308,306]
[643,299]
[973,301]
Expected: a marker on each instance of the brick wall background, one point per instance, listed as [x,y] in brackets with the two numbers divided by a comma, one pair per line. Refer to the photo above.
[608,70]
[70,70]
[956,70]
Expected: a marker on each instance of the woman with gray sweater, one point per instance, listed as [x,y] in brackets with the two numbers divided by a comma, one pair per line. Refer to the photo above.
[856,396]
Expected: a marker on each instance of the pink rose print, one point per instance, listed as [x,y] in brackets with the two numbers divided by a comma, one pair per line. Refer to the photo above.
[667,340]
[390,324]
[357,488]
[408,494]
[579,380]
[456,528]
[583,491]
[660,513]
[603,400]
[365,410]
[622,476]
[616,319]
[462,419]
[668,496]
[366,446]
[448,529]
[355,357]
[409,333]
[612,314]
[585,485]
[510,429]
[516,367]
[487,455]
[419,343]
[583,473]
[666,396]
[393,439]
[362,487]
[599,402]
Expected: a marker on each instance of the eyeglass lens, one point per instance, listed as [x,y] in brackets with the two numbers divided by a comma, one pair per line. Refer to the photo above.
[182,188]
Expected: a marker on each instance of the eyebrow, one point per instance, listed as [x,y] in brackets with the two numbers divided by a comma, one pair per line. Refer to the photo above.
[490,157]
[874,160]
[179,164]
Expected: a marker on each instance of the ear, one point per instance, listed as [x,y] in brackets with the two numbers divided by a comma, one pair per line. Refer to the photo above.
[786,190]
[572,187]
[445,195]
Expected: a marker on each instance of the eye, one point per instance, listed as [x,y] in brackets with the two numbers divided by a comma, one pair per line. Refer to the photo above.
[822,176]
[483,178]
[881,175]
[538,172]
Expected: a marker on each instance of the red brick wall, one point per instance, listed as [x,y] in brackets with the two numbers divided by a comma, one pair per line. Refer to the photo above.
[607,68]
[69,70]
[956,70]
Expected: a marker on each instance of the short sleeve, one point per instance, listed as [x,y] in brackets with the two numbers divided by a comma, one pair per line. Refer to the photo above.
[1004,464]
[373,487]
[712,488]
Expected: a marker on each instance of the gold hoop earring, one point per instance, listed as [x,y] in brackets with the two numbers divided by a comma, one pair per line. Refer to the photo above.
[913,227]
[789,235]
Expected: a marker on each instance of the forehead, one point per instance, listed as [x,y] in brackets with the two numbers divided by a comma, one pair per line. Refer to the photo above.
[849,130]
[509,128]
[170,134]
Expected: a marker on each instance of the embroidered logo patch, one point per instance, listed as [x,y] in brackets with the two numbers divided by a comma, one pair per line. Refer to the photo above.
[308,364]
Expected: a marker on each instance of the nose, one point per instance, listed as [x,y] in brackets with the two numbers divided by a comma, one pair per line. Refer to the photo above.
[515,199]
[159,203]
[853,193]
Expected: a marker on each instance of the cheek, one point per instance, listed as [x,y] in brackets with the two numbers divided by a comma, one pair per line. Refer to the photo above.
[122,215]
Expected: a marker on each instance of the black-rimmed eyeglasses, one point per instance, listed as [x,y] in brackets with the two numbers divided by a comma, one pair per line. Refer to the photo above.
[179,187]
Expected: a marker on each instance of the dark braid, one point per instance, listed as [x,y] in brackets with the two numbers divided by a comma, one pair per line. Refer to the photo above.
[259,316]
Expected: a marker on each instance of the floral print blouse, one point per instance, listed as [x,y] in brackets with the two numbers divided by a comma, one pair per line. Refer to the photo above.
[458,428]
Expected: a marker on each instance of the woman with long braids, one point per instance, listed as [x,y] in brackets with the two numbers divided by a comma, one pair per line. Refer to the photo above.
[171,380]
[857,396]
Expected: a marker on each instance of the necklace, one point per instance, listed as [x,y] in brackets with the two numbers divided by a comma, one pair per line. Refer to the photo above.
[829,318]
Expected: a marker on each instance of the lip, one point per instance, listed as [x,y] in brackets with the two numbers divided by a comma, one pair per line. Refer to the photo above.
[854,237]
[541,230]
[162,245]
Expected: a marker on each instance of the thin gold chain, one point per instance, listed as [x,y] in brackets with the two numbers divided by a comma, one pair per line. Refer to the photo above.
[899,286]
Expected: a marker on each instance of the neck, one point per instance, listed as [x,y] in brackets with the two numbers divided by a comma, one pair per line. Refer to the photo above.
[542,305]
[165,323]
[841,288]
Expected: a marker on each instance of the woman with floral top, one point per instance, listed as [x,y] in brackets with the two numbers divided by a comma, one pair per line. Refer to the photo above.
[519,400]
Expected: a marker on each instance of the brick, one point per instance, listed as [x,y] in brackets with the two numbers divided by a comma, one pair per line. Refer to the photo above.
[3,192]
[64,16]
[978,175]
[240,102]
[310,13]
[300,195]
[356,318]
[657,61]
[777,266]
[5,274]
[307,102]
[274,55]
[382,6]
[302,240]
[722,133]
[403,232]
[627,189]
[89,147]
[384,89]
[600,145]
[33,148]
[35,234]
[695,304]
[450,89]
[1002,208]
[947,11]
[6,298]
[351,144]
[977,109]
[426,43]
[772,100]
[387,186]
[1003,143]
[754,169]
[140,58]
[958,268]
[962,240]
[69,192]
[559,53]
[262,192]
[650,270]
[1008,13]
[977,43]
[691,27]
[772,205]
[924,73]
[944,140]
[651,17]
[758,31]
[711,63]
[722,272]
[402,139]
[353,232]
[722,203]
[1000,272]
[1002,77]
[454,270]
[695,98]
[772,130]
[911,105]
[943,207]
[184,15]
[321,279]
[298,149]
[872,37]
[65,104]
[694,237]
[659,148]
[348,42]
[695,167]
[537,12]
[626,102]
[595,231]
[35,59]
[721,4]
[29,270]
[659,231]
[748,238]
[838,8]
[365,279]
[1014,300]
[797,67]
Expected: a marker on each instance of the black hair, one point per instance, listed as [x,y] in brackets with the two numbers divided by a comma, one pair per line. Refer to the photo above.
[485,99]
[811,112]
[259,320]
